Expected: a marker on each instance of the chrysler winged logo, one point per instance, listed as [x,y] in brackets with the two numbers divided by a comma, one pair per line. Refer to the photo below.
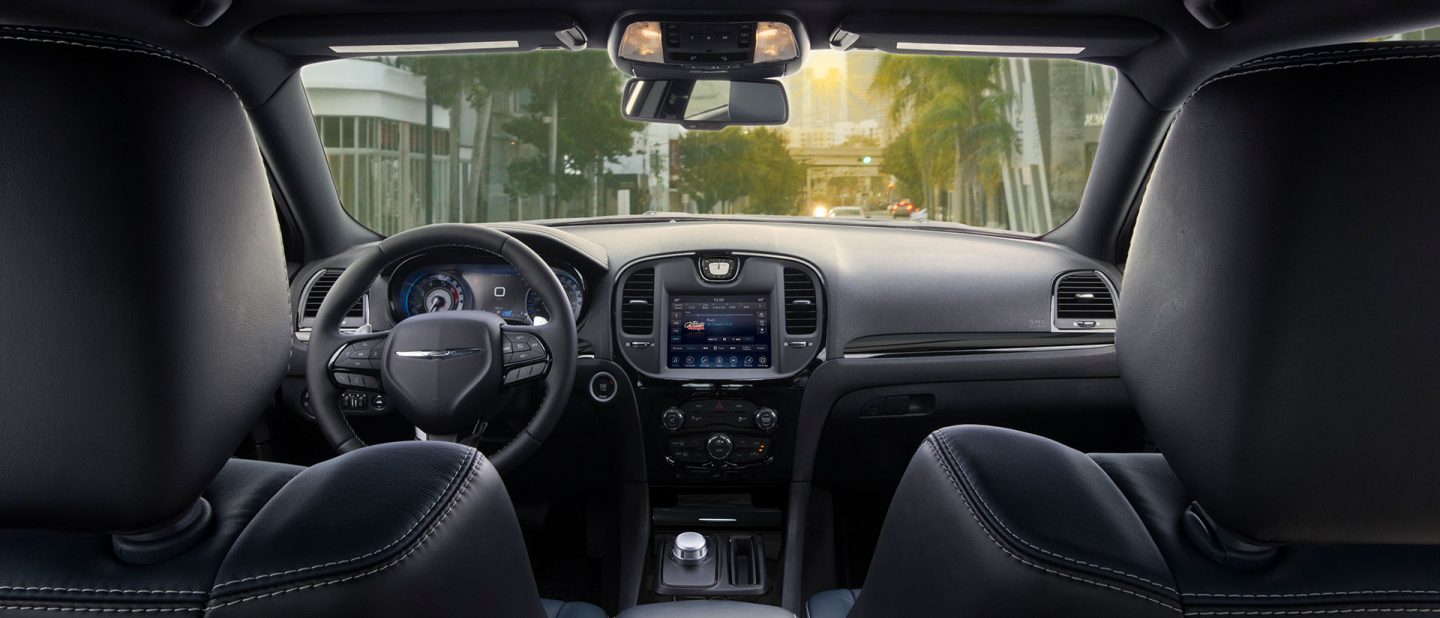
[440,354]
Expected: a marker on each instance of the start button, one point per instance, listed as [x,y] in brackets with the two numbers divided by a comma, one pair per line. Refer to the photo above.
[603,386]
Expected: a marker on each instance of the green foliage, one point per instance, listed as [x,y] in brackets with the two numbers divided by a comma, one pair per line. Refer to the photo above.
[586,92]
[718,168]
[956,132]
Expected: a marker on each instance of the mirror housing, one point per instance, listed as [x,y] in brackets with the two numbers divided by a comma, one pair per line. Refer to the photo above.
[705,105]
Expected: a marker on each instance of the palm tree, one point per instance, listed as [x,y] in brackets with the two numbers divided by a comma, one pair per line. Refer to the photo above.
[957,109]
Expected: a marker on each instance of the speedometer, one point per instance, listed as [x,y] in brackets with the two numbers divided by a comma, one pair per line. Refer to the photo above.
[574,291]
[433,291]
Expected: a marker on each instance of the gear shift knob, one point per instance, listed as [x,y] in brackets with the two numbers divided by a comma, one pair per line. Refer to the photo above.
[689,548]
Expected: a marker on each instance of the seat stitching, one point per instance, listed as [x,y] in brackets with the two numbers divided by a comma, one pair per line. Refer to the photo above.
[1307,594]
[1332,52]
[1228,75]
[97,590]
[448,485]
[90,35]
[1312,612]
[1225,76]
[145,52]
[1042,550]
[458,497]
[934,450]
[114,610]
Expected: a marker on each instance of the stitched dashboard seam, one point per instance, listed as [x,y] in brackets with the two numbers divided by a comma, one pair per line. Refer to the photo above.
[1017,538]
[476,464]
[469,457]
[935,449]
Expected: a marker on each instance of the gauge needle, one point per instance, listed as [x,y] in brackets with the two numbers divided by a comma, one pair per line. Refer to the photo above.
[437,304]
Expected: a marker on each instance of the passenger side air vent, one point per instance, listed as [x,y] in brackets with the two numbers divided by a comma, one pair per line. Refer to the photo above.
[637,303]
[1084,301]
[315,295]
[801,311]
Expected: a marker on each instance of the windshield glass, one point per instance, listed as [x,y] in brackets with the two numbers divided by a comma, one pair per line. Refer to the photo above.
[988,142]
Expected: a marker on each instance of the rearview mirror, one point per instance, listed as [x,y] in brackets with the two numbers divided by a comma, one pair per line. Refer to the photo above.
[706,105]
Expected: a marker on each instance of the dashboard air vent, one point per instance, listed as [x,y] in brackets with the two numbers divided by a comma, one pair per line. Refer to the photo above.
[801,310]
[1084,300]
[637,303]
[315,295]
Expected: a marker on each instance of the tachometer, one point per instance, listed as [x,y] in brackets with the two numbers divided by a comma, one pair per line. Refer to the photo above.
[433,291]
[574,291]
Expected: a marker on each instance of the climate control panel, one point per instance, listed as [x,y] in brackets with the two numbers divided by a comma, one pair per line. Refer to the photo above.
[718,433]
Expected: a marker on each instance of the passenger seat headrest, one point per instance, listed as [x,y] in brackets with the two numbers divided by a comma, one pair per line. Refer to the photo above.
[1278,318]
[146,319]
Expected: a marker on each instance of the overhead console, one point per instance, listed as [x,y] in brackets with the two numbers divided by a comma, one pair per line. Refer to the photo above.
[708,46]
[719,317]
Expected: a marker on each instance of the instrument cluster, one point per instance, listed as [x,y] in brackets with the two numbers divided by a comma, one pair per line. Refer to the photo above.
[449,283]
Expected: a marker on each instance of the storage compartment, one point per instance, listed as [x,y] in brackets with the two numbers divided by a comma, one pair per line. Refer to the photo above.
[710,564]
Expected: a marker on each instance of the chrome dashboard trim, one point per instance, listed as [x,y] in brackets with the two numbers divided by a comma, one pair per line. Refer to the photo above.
[963,352]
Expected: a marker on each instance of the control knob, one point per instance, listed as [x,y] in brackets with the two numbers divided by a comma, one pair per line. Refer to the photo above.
[719,446]
[689,548]
[672,419]
[766,419]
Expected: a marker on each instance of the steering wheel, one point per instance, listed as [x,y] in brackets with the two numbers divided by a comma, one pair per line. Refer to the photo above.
[448,371]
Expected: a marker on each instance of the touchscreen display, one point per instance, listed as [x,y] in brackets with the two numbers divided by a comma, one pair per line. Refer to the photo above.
[719,332]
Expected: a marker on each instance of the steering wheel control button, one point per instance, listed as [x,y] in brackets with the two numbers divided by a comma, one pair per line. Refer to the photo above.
[603,387]
[719,446]
[690,548]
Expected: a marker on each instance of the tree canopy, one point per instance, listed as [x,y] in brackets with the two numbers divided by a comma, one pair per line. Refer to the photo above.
[720,168]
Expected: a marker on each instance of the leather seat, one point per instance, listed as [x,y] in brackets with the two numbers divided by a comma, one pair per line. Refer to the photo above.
[147,325]
[1276,335]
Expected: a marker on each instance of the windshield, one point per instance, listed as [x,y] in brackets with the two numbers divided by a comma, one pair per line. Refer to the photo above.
[987,142]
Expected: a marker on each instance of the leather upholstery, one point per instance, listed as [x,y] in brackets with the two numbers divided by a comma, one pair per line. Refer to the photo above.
[58,569]
[831,603]
[404,529]
[571,609]
[131,178]
[957,541]
[954,543]
[1275,319]
[389,530]
[132,174]
[1273,335]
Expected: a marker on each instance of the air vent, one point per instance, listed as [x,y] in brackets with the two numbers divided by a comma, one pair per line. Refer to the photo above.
[801,310]
[637,303]
[1084,301]
[315,295]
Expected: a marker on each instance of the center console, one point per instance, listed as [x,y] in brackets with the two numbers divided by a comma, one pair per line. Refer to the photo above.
[720,344]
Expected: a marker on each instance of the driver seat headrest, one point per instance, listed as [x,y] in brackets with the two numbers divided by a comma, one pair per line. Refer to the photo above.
[146,317]
[1277,325]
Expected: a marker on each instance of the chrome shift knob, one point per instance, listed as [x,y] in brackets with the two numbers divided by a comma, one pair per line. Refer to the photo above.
[689,548]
